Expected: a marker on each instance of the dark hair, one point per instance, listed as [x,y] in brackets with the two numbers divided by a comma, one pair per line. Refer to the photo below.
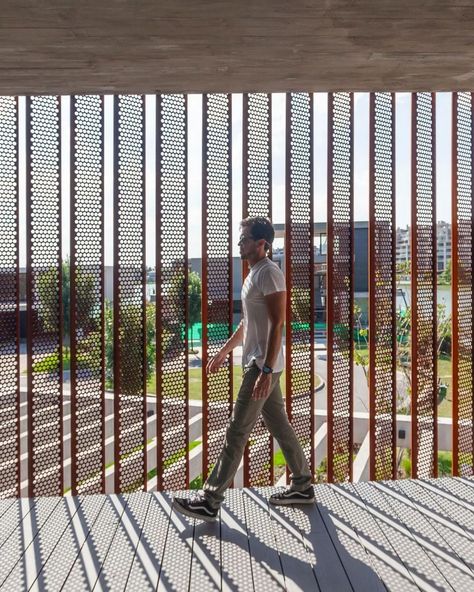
[260,228]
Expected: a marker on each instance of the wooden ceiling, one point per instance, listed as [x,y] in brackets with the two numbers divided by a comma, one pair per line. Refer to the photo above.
[148,46]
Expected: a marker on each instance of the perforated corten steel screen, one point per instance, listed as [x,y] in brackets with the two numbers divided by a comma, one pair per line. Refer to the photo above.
[87,295]
[129,294]
[9,302]
[65,437]
[172,302]
[382,276]
[257,191]
[299,262]
[216,270]
[462,277]
[340,285]
[43,219]
[423,325]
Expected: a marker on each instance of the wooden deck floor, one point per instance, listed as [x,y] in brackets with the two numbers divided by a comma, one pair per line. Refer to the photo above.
[407,535]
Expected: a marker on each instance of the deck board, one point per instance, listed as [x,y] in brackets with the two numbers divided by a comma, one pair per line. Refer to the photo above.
[118,562]
[454,536]
[390,515]
[85,572]
[206,560]
[12,516]
[37,555]
[5,505]
[148,557]
[352,554]
[32,518]
[69,545]
[176,563]
[454,570]
[460,511]
[236,564]
[323,556]
[294,556]
[266,565]
[402,536]
[384,556]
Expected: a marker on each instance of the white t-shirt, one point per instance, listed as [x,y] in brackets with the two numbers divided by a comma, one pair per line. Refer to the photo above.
[264,278]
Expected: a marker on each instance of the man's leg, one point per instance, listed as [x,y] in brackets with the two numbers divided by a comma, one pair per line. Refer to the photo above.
[276,420]
[245,414]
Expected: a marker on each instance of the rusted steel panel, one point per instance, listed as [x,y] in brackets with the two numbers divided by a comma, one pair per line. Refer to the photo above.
[299,268]
[257,201]
[129,294]
[172,293]
[340,297]
[44,296]
[382,287]
[9,302]
[462,278]
[87,295]
[216,270]
[423,276]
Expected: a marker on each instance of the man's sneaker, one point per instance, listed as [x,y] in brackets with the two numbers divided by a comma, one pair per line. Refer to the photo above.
[291,496]
[197,507]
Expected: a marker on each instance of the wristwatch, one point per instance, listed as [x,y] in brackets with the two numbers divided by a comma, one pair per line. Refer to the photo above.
[266,369]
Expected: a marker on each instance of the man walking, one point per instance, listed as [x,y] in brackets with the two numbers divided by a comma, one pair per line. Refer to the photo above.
[260,331]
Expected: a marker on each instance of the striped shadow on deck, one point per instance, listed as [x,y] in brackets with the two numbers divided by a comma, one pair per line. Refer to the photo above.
[404,535]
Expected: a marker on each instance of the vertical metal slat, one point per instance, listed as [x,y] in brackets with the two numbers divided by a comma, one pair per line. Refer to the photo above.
[382,288]
[9,302]
[340,285]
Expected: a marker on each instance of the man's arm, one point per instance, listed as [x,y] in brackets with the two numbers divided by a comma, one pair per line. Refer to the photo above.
[276,306]
[234,340]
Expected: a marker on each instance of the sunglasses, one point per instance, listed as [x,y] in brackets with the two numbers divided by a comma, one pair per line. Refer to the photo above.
[244,239]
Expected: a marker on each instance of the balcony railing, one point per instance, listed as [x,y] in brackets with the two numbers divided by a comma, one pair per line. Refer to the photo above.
[86,438]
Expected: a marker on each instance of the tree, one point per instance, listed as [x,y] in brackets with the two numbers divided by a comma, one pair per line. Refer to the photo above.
[403,350]
[173,321]
[86,300]
[194,301]
[132,336]
[301,304]
[445,276]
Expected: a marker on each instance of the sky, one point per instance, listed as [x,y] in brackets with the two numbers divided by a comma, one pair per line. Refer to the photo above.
[361,165]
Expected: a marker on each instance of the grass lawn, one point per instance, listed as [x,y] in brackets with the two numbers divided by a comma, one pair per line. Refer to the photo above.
[195,384]
[444,374]
[445,408]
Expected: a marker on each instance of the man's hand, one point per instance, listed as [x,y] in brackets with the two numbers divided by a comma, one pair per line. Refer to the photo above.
[215,362]
[261,389]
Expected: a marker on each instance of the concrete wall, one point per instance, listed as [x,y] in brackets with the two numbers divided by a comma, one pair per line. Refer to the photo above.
[53,47]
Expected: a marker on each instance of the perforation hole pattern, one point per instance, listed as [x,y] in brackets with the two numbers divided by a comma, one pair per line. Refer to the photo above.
[424,309]
[171,279]
[300,274]
[86,281]
[9,297]
[341,301]
[44,258]
[130,325]
[464,207]
[383,277]
[217,293]
[257,151]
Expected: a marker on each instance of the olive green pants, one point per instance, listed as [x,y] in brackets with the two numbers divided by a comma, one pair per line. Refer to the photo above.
[245,414]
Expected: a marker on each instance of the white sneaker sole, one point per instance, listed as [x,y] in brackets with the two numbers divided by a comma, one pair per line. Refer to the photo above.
[179,508]
[291,502]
